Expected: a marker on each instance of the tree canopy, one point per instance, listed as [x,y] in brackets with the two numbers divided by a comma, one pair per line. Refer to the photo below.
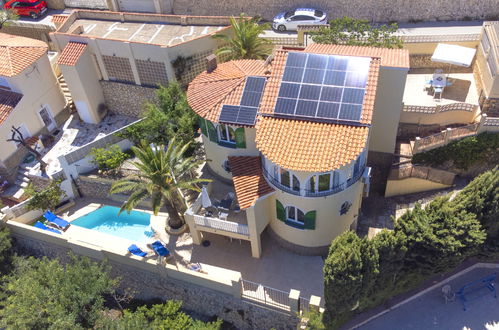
[47,198]
[357,32]
[245,42]
[7,16]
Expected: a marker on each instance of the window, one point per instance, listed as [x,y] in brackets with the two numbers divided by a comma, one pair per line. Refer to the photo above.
[286,178]
[226,133]
[294,214]
[323,182]
[4,84]
[318,13]
[302,18]
[289,14]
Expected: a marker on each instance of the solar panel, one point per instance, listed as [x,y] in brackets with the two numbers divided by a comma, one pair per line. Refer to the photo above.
[251,99]
[239,115]
[254,84]
[323,86]
[247,116]
[229,113]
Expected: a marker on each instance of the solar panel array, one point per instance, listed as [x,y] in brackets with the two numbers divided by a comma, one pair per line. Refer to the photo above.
[245,113]
[323,86]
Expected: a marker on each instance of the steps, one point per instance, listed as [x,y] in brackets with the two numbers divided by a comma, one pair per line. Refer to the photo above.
[67,93]
[402,154]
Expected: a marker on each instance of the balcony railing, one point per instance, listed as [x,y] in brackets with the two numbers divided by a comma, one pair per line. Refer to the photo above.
[278,184]
[228,226]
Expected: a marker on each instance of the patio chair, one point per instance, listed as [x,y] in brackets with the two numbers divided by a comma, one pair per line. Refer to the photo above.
[40,225]
[448,294]
[437,93]
[135,250]
[160,249]
[427,85]
[55,221]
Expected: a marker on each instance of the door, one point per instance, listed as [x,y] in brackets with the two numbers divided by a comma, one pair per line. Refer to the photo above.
[47,118]
[142,6]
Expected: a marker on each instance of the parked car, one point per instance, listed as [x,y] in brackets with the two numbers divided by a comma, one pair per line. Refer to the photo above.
[31,8]
[300,16]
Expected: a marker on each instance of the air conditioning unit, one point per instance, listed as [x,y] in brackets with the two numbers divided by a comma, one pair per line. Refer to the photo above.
[366,178]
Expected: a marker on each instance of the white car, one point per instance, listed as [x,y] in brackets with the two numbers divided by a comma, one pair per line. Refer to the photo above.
[290,20]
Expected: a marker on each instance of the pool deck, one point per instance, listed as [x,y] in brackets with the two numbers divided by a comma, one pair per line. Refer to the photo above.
[277,268]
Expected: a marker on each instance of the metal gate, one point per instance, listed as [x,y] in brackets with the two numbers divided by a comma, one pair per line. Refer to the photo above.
[92,4]
[140,6]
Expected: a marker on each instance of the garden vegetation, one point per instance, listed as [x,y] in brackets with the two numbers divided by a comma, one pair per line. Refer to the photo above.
[360,273]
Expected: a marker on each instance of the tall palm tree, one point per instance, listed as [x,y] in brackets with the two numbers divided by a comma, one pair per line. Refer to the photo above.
[245,43]
[161,176]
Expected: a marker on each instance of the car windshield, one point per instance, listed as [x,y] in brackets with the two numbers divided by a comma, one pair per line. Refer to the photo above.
[289,14]
[318,13]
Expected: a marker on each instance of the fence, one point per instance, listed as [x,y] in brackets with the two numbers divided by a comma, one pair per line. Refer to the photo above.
[422,172]
[444,137]
[440,108]
[229,226]
[258,293]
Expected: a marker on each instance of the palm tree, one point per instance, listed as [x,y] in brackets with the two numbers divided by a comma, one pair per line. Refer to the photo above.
[161,176]
[245,43]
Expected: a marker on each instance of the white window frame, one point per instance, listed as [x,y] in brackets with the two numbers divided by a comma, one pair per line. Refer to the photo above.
[331,181]
[277,176]
[219,128]
[51,115]
[4,84]
[286,209]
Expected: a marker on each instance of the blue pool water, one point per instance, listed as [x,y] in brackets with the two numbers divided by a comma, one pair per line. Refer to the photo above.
[134,226]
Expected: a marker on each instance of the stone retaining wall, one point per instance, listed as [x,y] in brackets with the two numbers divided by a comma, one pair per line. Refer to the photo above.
[127,99]
[94,186]
[376,10]
[148,284]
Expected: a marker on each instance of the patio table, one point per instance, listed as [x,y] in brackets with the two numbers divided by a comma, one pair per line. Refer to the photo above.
[439,82]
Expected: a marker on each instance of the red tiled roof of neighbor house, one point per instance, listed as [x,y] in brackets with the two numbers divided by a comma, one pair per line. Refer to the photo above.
[8,101]
[57,19]
[209,91]
[17,53]
[300,145]
[248,179]
[71,53]
[390,57]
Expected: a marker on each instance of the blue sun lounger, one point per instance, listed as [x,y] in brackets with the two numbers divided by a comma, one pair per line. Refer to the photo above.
[40,225]
[56,221]
[135,250]
[160,249]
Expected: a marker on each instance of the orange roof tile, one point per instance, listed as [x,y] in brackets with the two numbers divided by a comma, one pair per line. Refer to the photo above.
[209,91]
[17,53]
[249,182]
[309,146]
[398,58]
[8,101]
[71,53]
[58,19]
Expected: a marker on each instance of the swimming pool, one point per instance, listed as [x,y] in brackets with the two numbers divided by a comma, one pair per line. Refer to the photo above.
[135,226]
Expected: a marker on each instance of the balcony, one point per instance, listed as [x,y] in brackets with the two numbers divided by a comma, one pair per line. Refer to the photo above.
[275,182]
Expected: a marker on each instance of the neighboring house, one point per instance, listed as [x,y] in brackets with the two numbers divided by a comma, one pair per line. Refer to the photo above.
[294,136]
[30,97]
[488,65]
[115,61]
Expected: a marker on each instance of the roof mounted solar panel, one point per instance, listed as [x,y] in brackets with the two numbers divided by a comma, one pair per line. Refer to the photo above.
[229,113]
[247,116]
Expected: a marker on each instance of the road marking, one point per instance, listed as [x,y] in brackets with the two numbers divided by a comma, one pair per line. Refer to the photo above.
[89,28]
[158,29]
[136,32]
[112,28]
[191,32]
[205,30]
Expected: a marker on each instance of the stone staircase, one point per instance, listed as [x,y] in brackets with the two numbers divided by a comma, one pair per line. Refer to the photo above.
[67,93]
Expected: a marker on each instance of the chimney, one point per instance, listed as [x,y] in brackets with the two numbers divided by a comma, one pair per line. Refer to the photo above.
[211,63]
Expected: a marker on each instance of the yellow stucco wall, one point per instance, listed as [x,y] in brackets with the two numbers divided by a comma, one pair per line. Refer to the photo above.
[490,83]
[217,154]
[441,118]
[387,108]
[427,48]
[39,87]
[328,224]
[410,186]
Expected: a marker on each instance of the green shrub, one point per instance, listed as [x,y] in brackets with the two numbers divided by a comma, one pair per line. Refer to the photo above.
[45,199]
[108,159]
[463,153]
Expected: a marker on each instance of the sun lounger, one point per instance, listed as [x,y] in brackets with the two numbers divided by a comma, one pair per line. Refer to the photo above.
[40,225]
[160,249]
[135,250]
[56,221]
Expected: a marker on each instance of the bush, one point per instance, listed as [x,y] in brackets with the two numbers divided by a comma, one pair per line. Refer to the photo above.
[463,153]
[5,249]
[108,159]
[46,199]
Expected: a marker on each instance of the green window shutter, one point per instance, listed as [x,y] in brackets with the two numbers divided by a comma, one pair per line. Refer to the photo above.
[202,124]
[212,131]
[310,220]
[281,213]
[240,138]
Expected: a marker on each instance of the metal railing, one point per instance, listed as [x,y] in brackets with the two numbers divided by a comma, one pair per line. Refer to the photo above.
[304,304]
[278,184]
[440,108]
[265,295]
[422,172]
[228,226]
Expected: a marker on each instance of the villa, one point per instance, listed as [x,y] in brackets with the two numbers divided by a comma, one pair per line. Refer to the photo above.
[294,135]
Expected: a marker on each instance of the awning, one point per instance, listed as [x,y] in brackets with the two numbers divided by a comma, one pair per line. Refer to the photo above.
[453,54]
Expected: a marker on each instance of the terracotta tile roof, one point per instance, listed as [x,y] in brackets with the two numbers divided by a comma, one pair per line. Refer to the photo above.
[309,146]
[269,97]
[17,53]
[58,19]
[209,91]
[398,58]
[32,140]
[71,53]
[8,101]
[249,182]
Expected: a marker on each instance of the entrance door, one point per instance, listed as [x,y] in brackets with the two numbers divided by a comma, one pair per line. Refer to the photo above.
[47,118]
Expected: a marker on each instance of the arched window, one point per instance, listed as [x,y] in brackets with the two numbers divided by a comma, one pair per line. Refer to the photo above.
[226,133]
[323,182]
[286,178]
[294,214]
